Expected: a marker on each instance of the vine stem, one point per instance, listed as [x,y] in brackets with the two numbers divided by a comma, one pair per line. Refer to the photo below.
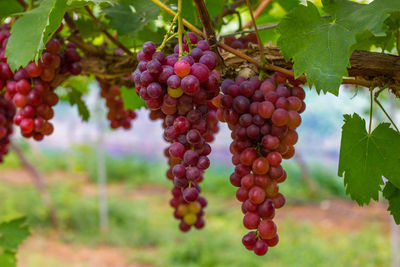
[104,30]
[260,45]
[383,109]
[270,67]
[180,28]
[23,4]
[257,13]
[166,36]
[370,109]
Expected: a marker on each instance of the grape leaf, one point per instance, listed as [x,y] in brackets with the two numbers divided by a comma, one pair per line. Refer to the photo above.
[392,194]
[365,158]
[318,47]
[131,100]
[128,16]
[31,32]
[12,233]
[8,8]
[8,259]
[87,28]
[321,47]
[75,98]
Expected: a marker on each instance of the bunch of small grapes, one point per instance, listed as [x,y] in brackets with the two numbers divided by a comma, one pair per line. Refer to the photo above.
[7,112]
[241,42]
[263,117]
[31,89]
[179,90]
[117,114]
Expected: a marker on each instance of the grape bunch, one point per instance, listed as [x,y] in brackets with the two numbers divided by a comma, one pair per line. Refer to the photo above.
[179,91]
[7,112]
[241,42]
[117,114]
[31,89]
[263,117]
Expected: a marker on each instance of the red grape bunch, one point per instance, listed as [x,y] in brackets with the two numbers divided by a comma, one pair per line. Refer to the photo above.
[7,112]
[31,89]
[263,117]
[181,89]
[241,42]
[117,114]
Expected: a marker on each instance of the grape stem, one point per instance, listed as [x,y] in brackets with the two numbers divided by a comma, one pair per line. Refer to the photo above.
[23,4]
[257,13]
[180,28]
[260,45]
[166,36]
[109,36]
[270,67]
[383,109]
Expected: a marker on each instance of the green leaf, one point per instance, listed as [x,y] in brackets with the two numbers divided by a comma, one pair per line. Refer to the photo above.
[318,47]
[12,233]
[128,16]
[87,28]
[215,7]
[392,194]
[32,31]
[365,158]
[9,7]
[321,47]
[288,4]
[8,259]
[75,98]
[131,100]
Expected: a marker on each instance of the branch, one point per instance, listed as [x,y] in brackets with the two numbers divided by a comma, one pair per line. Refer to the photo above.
[87,48]
[206,21]
[232,8]
[257,13]
[23,4]
[104,30]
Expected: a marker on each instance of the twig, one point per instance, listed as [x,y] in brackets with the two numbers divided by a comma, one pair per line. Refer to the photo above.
[104,30]
[260,45]
[180,28]
[207,24]
[257,13]
[39,183]
[166,36]
[231,9]
[23,4]
[383,109]
[87,48]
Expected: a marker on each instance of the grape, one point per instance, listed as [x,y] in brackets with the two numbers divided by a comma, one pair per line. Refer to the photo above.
[190,85]
[180,92]
[263,117]
[251,220]
[7,113]
[31,89]
[182,68]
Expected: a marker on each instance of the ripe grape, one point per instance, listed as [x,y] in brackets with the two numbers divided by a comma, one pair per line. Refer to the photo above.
[263,116]
[179,91]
